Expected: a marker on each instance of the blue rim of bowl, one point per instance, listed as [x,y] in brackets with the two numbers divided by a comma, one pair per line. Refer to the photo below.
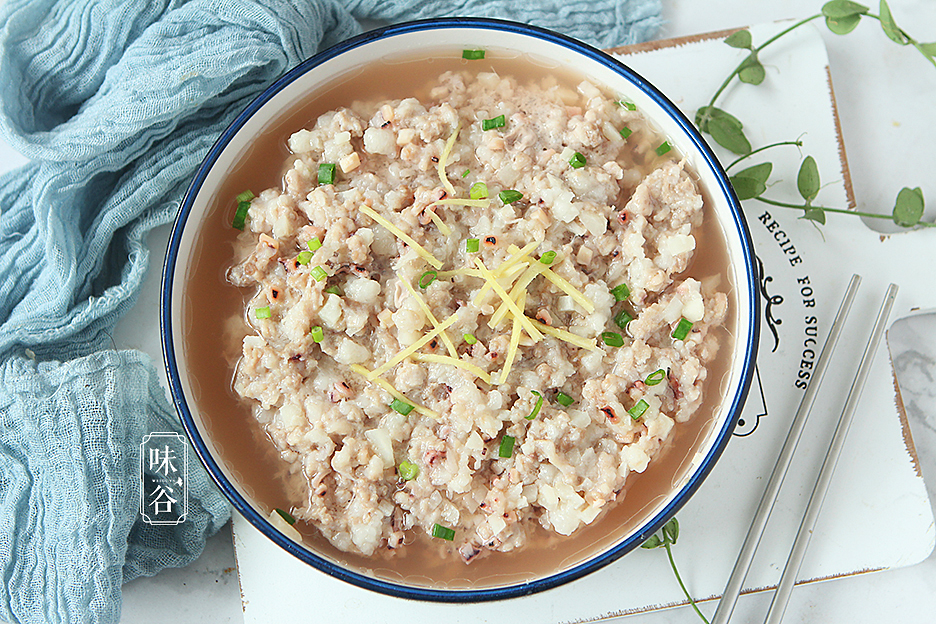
[429,593]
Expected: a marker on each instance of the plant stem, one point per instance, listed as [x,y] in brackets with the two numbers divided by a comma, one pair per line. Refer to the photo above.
[910,40]
[669,553]
[798,143]
[858,213]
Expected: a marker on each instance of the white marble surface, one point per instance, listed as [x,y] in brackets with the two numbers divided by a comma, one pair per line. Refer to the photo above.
[884,96]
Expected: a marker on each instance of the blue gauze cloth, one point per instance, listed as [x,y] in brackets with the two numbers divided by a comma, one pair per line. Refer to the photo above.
[115,103]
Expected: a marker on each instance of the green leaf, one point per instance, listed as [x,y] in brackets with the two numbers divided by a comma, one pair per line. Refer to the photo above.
[843,25]
[714,112]
[752,72]
[929,49]
[909,207]
[729,135]
[890,27]
[739,39]
[759,172]
[815,214]
[671,530]
[653,542]
[843,8]
[747,188]
[808,180]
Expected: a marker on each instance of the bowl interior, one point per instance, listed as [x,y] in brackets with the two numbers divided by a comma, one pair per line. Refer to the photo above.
[198,344]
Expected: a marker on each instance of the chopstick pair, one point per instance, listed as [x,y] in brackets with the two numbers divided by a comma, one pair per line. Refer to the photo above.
[742,565]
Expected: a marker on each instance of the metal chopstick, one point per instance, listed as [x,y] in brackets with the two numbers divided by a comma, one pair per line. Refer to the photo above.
[742,565]
[782,596]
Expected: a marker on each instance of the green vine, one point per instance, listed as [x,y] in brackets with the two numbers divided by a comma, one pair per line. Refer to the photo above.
[665,539]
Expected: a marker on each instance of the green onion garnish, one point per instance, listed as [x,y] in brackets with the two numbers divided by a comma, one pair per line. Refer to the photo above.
[564,399]
[638,410]
[443,532]
[401,406]
[663,148]
[334,290]
[628,105]
[240,215]
[304,257]
[326,173]
[626,132]
[472,245]
[427,278]
[317,334]
[655,377]
[577,161]
[285,516]
[682,329]
[495,122]
[315,244]
[245,196]
[318,273]
[263,313]
[620,292]
[612,339]
[506,447]
[622,318]
[407,470]
[467,171]
[478,190]
[548,257]
[509,196]
[473,55]
[536,408]
[470,339]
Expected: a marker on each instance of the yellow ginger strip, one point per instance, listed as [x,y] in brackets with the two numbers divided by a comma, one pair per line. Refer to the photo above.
[428,257]
[518,255]
[439,223]
[454,272]
[519,288]
[458,201]
[514,343]
[453,361]
[443,161]
[405,353]
[517,312]
[383,383]
[570,290]
[432,319]
[563,335]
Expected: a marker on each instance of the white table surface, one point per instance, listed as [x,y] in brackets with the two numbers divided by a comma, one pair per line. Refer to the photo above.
[885,95]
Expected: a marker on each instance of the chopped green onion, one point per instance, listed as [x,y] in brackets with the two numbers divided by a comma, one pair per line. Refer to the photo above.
[427,278]
[334,290]
[315,244]
[663,148]
[470,339]
[506,447]
[326,173]
[620,292]
[682,329]
[626,132]
[495,122]
[612,339]
[407,470]
[473,55]
[401,406]
[548,257]
[263,313]
[510,196]
[317,333]
[638,410]
[246,196]
[304,257]
[240,215]
[443,532]
[655,377]
[628,105]
[467,171]
[318,273]
[285,516]
[478,190]
[472,245]
[622,318]
[537,407]
[577,161]
[564,399]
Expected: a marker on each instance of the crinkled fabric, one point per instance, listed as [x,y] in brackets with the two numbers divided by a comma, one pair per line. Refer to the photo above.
[115,102]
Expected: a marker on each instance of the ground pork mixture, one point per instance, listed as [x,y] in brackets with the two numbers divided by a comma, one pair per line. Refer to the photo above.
[465,308]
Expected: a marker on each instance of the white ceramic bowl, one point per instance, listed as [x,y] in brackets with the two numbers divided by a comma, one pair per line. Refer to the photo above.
[638,515]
